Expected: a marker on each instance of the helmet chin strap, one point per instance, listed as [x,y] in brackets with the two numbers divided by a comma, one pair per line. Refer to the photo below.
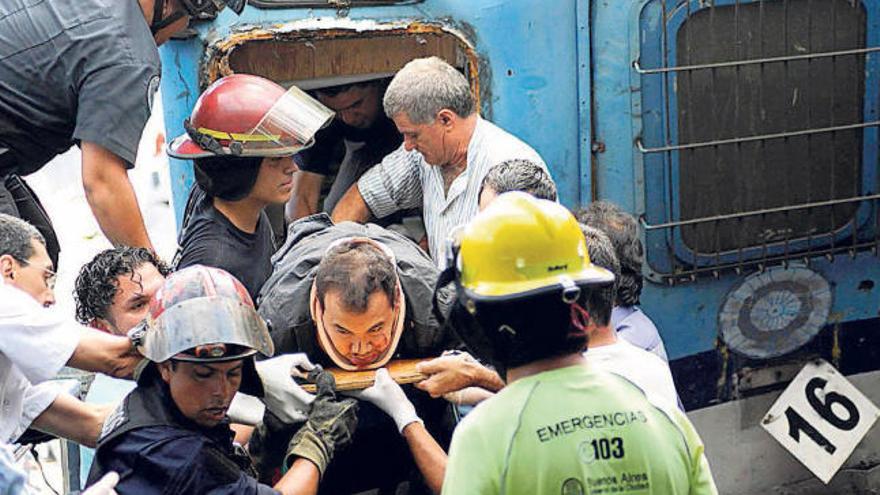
[159,23]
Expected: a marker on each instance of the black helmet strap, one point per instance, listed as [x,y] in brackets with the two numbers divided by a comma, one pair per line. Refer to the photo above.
[158,22]
[208,143]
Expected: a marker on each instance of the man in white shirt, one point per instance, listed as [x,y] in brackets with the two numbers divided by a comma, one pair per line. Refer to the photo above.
[36,342]
[630,322]
[447,150]
[608,352]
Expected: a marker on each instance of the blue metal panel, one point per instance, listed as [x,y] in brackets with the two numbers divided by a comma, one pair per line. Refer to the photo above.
[585,120]
[663,181]
[687,315]
[612,113]
[180,89]
[527,50]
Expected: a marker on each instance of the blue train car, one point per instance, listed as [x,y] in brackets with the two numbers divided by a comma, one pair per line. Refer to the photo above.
[742,134]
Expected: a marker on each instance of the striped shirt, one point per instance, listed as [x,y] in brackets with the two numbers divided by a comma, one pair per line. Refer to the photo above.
[404,180]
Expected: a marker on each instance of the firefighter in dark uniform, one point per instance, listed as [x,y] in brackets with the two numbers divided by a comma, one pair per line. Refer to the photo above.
[171,434]
[83,73]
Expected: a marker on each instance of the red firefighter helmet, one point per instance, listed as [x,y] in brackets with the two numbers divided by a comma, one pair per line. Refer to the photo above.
[204,314]
[246,115]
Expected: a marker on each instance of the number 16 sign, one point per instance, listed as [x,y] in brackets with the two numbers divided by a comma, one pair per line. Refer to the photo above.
[820,418]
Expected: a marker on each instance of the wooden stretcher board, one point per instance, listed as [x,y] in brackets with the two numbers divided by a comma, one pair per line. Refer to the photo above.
[403,371]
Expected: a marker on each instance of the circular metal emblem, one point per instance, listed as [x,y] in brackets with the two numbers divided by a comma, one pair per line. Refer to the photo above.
[773,313]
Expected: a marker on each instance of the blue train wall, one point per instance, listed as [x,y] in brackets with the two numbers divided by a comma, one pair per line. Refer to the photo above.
[560,75]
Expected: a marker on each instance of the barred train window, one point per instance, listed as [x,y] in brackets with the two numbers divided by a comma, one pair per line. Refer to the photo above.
[768,98]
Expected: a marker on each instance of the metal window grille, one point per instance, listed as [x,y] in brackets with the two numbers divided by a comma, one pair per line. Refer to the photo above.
[764,125]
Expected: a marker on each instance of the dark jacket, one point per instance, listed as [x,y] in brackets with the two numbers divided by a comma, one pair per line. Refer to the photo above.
[284,299]
[157,450]
[378,456]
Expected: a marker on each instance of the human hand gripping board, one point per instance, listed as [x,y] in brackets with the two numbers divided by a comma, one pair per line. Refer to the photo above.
[403,371]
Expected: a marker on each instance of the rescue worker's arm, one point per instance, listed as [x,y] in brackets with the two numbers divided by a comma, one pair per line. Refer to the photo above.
[306,192]
[329,427]
[392,185]
[68,417]
[105,353]
[111,197]
[455,372]
[301,479]
[428,454]
[430,458]
[352,207]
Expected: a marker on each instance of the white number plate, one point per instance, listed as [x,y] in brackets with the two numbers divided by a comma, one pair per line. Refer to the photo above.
[820,418]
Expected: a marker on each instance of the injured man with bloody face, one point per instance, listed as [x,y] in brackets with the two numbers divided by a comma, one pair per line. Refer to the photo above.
[355,298]
[357,304]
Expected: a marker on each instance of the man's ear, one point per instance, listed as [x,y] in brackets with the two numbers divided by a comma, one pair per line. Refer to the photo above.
[447,119]
[7,266]
[165,371]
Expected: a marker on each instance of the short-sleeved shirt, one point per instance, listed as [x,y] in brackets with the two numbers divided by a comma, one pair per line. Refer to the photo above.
[210,239]
[405,180]
[71,72]
[576,430]
[35,343]
[335,156]
[634,326]
[646,370]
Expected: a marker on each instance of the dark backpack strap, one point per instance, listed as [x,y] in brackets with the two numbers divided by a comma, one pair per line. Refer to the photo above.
[31,209]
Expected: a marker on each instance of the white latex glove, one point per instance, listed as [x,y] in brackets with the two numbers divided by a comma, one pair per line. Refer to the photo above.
[387,395]
[246,410]
[283,396]
[104,486]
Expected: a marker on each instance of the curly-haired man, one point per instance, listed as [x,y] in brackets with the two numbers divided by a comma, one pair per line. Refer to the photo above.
[113,294]
[114,289]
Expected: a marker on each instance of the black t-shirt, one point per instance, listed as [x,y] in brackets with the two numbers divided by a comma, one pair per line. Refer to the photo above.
[210,239]
[322,158]
[73,71]
[327,154]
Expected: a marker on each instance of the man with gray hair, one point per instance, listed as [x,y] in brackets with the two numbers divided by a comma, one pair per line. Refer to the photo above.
[517,175]
[630,322]
[447,150]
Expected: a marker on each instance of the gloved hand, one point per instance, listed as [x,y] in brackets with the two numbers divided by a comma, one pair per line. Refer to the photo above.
[330,425]
[287,400]
[104,486]
[387,395]
[246,410]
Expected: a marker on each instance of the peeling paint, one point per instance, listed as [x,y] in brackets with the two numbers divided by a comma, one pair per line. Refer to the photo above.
[219,49]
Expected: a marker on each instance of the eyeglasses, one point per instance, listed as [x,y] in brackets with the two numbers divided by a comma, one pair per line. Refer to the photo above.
[49,276]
